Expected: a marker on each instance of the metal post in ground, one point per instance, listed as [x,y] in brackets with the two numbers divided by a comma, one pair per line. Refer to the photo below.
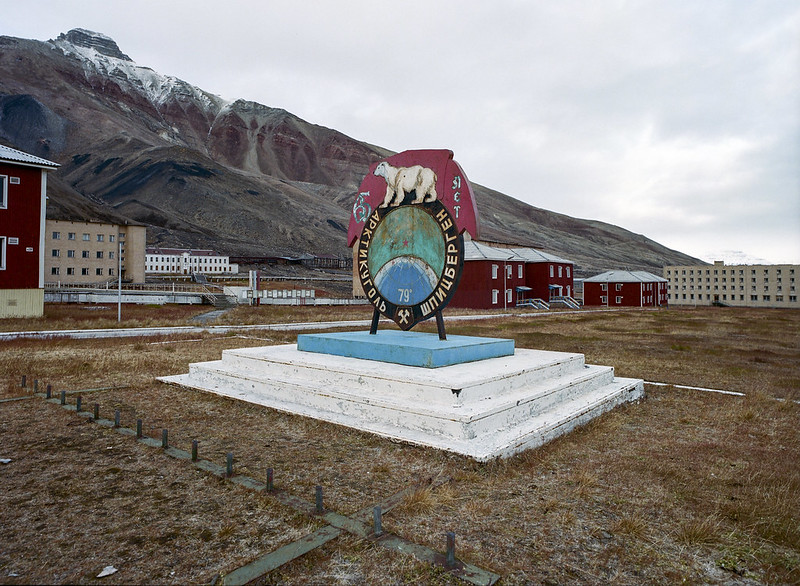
[451,549]
[376,519]
[320,508]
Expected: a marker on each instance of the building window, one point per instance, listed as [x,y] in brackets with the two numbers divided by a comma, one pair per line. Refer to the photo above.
[111,238]
[71,236]
[551,271]
[70,254]
[519,271]
[508,270]
[3,191]
[84,271]
[53,270]
[604,286]
[766,298]
[56,235]
[99,254]
[754,298]
[86,237]
[70,271]
[3,253]
[509,297]
[618,286]
[55,252]
[111,254]
[84,254]
[603,299]
[98,271]
[495,294]
[568,273]
[559,271]
[494,273]
[110,272]
[619,298]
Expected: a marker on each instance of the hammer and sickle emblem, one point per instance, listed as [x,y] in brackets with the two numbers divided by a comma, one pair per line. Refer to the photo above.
[403,314]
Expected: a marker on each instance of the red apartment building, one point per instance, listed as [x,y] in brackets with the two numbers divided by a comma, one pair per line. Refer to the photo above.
[23,188]
[625,289]
[490,278]
[498,278]
[548,276]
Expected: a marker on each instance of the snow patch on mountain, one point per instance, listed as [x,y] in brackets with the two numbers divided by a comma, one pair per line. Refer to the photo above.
[100,55]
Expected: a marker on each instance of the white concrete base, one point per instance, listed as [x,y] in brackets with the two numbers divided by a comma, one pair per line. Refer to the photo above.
[493,407]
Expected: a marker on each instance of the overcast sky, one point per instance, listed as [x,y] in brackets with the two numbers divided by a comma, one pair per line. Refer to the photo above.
[679,120]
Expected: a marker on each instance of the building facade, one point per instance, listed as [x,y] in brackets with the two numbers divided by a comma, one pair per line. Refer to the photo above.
[490,278]
[497,277]
[548,276]
[23,197]
[625,289]
[182,261]
[735,285]
[89,252]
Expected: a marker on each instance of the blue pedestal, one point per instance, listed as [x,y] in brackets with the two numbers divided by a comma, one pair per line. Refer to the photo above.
[408,348]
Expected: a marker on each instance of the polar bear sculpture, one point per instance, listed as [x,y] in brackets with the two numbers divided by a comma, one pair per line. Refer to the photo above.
[403,180]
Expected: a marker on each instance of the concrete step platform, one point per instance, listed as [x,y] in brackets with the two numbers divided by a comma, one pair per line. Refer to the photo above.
[482,409]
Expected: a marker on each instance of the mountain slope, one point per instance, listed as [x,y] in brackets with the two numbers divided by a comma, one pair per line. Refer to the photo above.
[240,177]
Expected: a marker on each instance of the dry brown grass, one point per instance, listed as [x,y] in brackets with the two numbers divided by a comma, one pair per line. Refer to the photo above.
[683,486]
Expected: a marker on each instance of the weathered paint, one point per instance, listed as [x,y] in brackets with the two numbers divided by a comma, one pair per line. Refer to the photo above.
[452,188]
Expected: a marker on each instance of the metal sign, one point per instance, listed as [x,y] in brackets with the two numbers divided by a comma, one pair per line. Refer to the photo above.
[407,228]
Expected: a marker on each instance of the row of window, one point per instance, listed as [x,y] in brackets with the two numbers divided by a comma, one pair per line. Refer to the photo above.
[86,237]
[176,269]
[56,253]
[768,298]
[779,288]
[604,299]
[192,259]
[509,271]
[496,296]
[618,286]
[84,271]
[724,271]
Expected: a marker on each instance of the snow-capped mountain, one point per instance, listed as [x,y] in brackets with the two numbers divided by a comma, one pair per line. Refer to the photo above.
[241,177]
[99,55]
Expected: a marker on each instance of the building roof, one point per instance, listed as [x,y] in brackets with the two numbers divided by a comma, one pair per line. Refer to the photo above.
[533,255]
[477,251]
[8,154]
[626,277]
[180,251]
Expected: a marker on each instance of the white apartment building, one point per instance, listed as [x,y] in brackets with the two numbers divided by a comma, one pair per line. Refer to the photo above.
[181,261]
[734,285]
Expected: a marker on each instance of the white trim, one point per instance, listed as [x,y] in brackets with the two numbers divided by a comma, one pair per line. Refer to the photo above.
[43,214]
[3,192]
[3,241]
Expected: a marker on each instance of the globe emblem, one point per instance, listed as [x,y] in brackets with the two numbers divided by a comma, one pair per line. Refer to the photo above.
[406,257]
[406,280]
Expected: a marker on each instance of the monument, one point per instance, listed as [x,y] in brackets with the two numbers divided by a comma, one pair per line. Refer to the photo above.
[477,396]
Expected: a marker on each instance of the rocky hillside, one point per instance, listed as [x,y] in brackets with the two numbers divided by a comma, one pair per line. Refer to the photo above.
[239,177]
